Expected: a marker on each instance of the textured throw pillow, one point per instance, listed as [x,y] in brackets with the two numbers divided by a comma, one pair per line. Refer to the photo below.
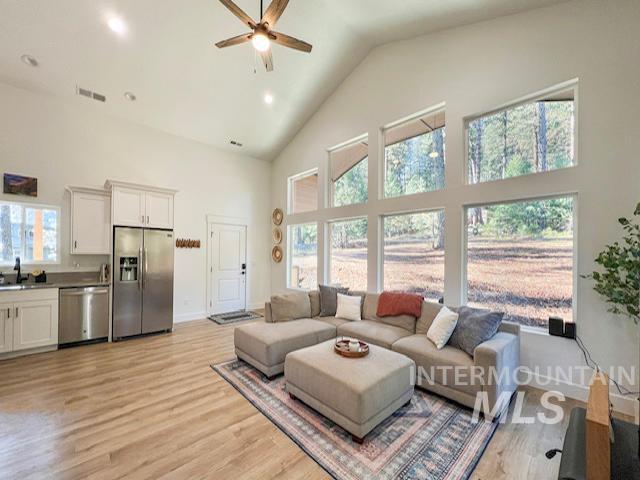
[442,327]
[474,327]
[349,307]
[290,306]
[329,299]
[314,298]
[392,304]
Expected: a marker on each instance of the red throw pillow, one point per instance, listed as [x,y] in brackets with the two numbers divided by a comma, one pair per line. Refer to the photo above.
[391,304]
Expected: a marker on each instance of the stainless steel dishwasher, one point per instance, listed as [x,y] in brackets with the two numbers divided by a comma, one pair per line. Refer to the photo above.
[83,314]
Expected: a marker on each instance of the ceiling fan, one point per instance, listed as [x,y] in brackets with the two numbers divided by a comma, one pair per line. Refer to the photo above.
[262,34]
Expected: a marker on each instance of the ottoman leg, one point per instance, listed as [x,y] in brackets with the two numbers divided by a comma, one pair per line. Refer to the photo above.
[358,440]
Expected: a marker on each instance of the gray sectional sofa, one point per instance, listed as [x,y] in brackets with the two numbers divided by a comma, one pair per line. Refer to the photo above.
[265,345]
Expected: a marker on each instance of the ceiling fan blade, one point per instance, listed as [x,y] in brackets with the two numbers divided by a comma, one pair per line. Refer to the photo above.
[290,42]
[237,40]
[274,11]
[267,60]
[238,12]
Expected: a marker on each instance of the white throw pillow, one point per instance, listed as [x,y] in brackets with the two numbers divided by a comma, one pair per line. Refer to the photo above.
[349,307]
[442,327]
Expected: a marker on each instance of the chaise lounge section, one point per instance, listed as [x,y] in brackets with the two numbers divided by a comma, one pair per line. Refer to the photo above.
[265,346]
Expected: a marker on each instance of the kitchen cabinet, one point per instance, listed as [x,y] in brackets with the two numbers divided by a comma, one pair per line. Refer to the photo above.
[141,206]
[6,327]
[90,221]
[28,319]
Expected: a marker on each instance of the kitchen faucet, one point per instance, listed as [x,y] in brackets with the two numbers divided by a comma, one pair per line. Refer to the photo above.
[19,278]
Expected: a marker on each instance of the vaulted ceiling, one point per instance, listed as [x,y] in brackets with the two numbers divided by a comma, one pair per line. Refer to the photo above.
[186,86]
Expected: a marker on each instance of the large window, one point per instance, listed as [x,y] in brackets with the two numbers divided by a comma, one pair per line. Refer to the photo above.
[303,192]
[303,256]
[414,253]
[348,257]
[29,232]
[348,168]
[414,156]
[520,259]
[533,137]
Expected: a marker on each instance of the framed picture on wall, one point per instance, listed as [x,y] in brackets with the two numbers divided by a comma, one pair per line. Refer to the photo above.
[20,185]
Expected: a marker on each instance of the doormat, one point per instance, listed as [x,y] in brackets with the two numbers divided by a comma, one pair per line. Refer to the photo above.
[233,317]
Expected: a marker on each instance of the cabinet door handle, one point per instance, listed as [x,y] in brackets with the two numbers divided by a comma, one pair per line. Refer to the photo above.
[8,313]
[143,219]
[75,244]
[17,315]
[147,219]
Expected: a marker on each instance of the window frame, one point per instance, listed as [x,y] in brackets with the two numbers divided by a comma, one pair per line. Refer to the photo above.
[572,85]
[290,190]
[328,246]
[574,254]
[330,184]
[382,161]
[289,256]
[381,241]
[23,243]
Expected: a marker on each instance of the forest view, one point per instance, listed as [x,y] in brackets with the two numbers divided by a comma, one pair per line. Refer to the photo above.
[520,255]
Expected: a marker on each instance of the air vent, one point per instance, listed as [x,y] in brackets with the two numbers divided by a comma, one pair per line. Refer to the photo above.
[89,94]
[235,143]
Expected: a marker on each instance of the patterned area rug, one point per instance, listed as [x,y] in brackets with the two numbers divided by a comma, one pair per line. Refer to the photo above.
[431,438]
[233,317]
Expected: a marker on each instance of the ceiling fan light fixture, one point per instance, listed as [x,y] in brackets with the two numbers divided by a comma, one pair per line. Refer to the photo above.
[260,42]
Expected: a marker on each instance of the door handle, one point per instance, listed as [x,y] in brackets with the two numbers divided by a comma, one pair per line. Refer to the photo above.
[75,244]
[142,221]
[17,314]
[144,273]
[8,313]
[147,219]
[139,270]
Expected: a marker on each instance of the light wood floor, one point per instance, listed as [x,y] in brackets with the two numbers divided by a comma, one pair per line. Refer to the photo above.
[152,408]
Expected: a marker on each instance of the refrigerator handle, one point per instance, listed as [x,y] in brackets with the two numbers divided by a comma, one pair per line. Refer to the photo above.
[144,273]
[140,273]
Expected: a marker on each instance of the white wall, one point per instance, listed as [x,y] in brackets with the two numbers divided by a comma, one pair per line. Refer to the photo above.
[73,143]
[477,68]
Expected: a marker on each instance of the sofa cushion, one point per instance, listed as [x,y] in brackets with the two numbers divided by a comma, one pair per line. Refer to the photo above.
[314,300]
[474,327]
[437,364]
[336,322]
[371,307]
[329,299]
[373,332]
[392,304]
[269,343]
[290,306]
[429,312]
[349,307]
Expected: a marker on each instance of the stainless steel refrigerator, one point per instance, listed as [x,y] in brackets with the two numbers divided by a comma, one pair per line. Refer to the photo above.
[142,281]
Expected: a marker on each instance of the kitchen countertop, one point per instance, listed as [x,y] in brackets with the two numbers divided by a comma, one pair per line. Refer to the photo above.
[12,287]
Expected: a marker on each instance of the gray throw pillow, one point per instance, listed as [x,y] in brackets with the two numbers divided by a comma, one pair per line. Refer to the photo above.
[329,299]
[474,327]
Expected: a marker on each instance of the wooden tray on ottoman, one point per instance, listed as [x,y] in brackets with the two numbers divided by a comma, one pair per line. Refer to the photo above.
[342,348]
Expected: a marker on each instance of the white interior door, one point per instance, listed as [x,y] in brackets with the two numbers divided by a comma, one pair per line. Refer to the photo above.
[228,267]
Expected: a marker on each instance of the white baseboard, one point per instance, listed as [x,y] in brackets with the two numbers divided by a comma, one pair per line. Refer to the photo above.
[187,317]
[627,405]
[256,306]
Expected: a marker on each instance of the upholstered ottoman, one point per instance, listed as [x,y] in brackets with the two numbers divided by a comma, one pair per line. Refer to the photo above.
[356,393]
[264,345]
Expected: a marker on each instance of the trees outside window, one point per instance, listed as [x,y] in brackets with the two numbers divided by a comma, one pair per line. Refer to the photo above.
[414,253]
[520,260]
[29,232]
[349,172]
[303,256]
[348,256]
[414,156]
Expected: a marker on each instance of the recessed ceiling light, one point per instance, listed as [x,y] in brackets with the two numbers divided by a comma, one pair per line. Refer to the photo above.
[29,60]
[117,25]
[130,96]
[268,98]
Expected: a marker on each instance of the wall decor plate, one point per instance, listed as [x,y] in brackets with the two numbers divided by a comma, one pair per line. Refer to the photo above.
[277,216]
[277,235]
[276,254]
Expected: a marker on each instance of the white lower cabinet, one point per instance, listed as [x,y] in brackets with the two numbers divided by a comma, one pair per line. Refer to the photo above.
[28,319]
[6,327]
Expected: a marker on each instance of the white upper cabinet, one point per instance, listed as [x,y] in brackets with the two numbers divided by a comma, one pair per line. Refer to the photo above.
[141,206]
[128,207]
[159,210]
[90,221]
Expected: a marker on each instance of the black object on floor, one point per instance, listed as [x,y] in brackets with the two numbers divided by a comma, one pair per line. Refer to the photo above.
[233,317]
